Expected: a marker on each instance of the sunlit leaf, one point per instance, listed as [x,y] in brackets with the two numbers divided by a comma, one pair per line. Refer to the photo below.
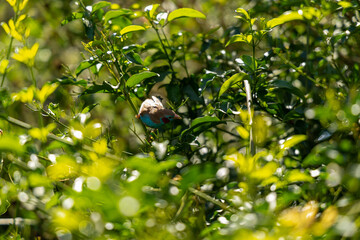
[46,91]
[42,133]
[231,81]
[3,65]
[292,141]
[151,9]
[297,176]
[66,219]
[131,28]
[284,18]
[264,172]
[12,144]
[100,146]
[85,65]
[116,13]
[185,12]
[26,55]
[25,95]
[64,168]
[37,180]
[242,132]
[236,38]
[100,168]
[244,12]
[345,4]
[100,5]
[139,77]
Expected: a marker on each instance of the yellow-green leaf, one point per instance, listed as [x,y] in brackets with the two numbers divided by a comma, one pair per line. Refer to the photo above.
[12,144]
[45,91]
[185,12]
[244,12]
[236,38]
[100,147]
[242,132]
[131,28]
[27,55]
[3,65]
[297,176]
[151,9]
[345,4]
[265,171]
[41,133]
[285,17]
[231,81]
[292,141]
[64,168]
[26,95]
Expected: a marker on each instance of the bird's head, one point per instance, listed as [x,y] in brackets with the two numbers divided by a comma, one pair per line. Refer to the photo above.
[168,116]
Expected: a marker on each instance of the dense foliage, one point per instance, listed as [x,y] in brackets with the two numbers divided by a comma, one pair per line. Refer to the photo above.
[267,147]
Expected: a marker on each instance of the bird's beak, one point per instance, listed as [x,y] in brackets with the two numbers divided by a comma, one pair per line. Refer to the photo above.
[177,116]
[137,116]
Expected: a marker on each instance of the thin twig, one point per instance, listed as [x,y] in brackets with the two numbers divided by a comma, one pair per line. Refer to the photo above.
[286,61]
[208,198]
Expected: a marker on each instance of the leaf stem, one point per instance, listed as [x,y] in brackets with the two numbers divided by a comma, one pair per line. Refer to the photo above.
[164,48]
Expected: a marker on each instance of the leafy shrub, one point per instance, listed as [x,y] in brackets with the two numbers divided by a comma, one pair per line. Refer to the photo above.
[267,147]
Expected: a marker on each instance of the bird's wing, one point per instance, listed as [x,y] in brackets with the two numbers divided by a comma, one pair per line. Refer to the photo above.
[157,102]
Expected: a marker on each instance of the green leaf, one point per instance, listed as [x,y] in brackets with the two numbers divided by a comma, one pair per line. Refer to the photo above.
[5,204]
[236,38]
[195,174]
[116,13]
[131,28]
[70,81]
[206,80]
[249,63]
[105,87]
[134,58]
[11,144]
[74,16]
[231,81]
[100,5]
[202,124]
[285,17]
[138,78]
[289,87]
[185,12]
[292,141]
[36,180]
[84,65]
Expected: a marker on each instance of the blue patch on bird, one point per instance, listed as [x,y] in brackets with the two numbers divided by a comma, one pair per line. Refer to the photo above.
[148,122]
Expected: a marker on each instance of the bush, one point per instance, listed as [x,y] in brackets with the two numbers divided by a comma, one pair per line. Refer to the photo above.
[267,147]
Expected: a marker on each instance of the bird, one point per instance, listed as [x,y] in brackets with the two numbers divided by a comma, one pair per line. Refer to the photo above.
[153,113]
